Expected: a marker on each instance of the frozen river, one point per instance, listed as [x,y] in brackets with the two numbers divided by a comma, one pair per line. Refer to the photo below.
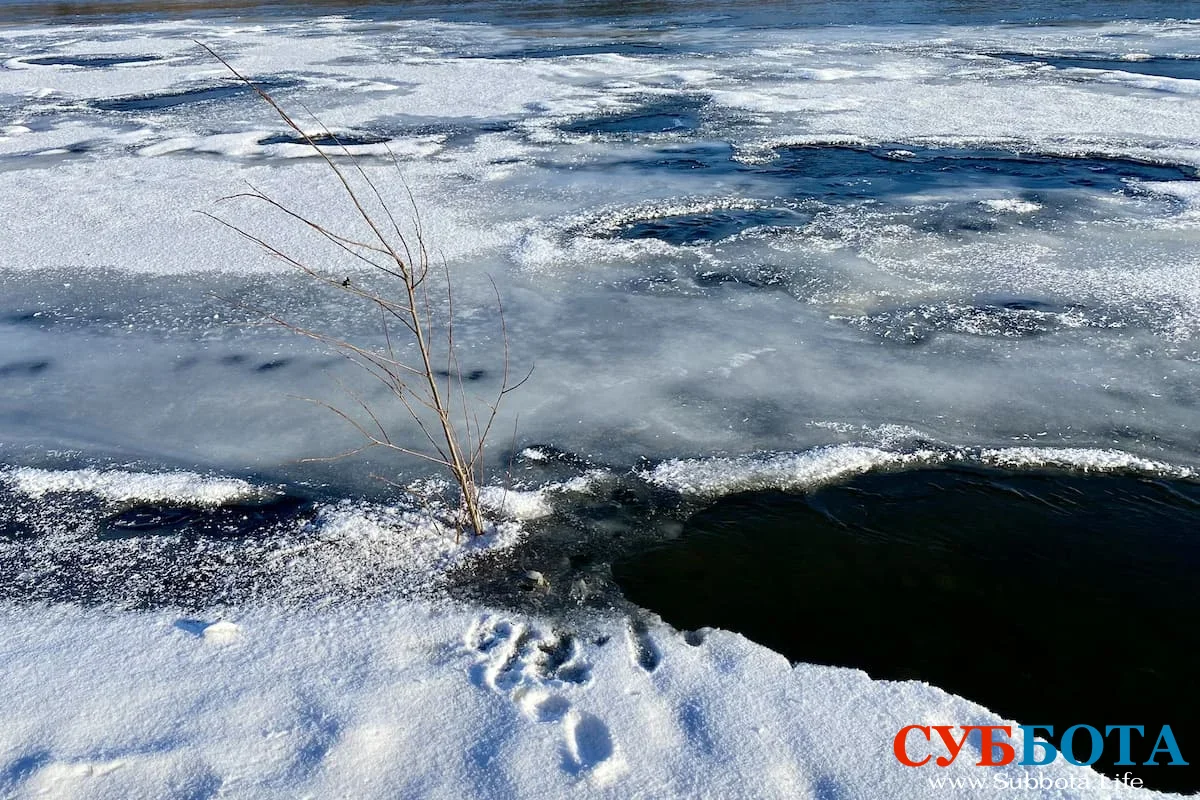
[748,249]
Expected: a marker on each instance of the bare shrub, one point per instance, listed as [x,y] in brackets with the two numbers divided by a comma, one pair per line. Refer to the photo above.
[415,301]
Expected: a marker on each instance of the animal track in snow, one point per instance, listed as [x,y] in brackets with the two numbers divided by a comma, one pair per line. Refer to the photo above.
[512,655]
[532,669]
[589,744]
[643,649]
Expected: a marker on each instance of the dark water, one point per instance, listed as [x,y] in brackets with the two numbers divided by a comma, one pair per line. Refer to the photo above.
[1050,599]
[711,226]
[678,116]
[200,94]
[89,61]
[1160,66]
[766,12]
[892,175]
[839,173]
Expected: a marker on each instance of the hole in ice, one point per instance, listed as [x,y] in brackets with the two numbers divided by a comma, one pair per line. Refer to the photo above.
[949,192]
[1051,598]
[89,60]
[456,133]
[1181,67]
[710,156]
[270,366]
[467,374]
[200,94]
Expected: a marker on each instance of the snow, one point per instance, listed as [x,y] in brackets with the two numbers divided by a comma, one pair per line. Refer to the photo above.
[717,476]
[1012,205]
[528,504]
[864,339]
[124,485]
[438,700]
[1084,460]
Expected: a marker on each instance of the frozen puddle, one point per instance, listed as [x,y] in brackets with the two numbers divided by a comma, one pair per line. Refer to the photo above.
[679,115]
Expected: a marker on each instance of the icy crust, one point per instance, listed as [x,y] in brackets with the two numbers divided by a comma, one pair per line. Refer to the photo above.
[1083,460]
[179,537]
[443,701]
[362,549]
[715,477]
[117,485]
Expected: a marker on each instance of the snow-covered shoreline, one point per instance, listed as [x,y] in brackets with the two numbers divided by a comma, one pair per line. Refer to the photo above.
[419,699]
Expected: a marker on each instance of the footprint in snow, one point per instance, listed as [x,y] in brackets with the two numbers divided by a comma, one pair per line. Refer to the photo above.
[641,647]
[589,748]
[512,655]
[518,661]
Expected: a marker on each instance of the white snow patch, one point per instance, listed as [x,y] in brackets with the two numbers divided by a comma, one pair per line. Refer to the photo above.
[525,504]
[534,454]
[430,700]
[712,477]
[1083,460]
[221,632]
[121,486]
[717,476]
[1012,205]
[413,549]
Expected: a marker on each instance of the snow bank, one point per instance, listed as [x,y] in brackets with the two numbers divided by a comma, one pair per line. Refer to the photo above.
[418,700]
